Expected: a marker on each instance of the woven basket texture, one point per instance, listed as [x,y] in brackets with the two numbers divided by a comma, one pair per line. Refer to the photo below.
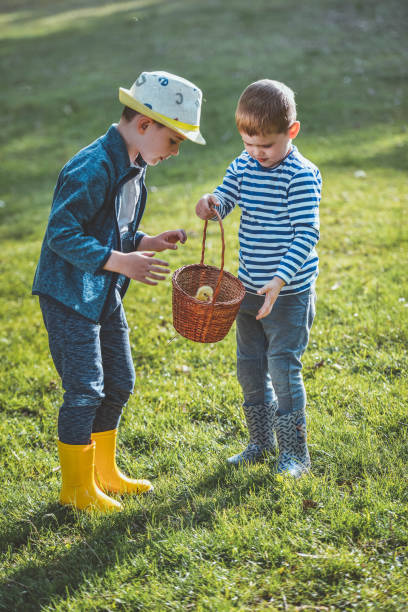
[205,321]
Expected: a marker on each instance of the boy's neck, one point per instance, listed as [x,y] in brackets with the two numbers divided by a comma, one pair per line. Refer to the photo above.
[288,152]
[123,130]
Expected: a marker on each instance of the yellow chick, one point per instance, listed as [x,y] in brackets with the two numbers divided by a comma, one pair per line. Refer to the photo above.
[204,293]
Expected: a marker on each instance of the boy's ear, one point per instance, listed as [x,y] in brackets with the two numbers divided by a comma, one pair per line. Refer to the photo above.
[293,131]
[142,123]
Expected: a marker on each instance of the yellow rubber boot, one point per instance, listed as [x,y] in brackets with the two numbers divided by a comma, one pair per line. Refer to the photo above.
[78,483]
[107,474]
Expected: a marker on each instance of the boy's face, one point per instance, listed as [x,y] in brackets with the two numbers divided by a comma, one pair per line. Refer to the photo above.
[271,148]
[157,142]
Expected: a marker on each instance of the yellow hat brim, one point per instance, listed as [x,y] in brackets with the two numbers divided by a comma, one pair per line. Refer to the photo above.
[191,132]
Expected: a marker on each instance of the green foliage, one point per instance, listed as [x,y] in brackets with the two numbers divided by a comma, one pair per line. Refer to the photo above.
[212,538]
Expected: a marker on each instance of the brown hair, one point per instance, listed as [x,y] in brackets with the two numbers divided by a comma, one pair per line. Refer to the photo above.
[129,113]
[265,106]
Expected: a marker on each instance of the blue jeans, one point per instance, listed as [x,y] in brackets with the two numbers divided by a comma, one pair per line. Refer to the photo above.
[95,365]
[269,351]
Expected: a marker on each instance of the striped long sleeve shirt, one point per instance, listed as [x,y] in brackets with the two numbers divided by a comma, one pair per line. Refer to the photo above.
[279,225]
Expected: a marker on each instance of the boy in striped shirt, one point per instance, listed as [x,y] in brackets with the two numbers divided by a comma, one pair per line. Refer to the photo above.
[278,191]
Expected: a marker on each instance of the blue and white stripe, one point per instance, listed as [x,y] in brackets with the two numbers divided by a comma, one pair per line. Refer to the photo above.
[279,219]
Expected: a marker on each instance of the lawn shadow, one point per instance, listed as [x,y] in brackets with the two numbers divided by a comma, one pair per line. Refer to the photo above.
[54,577]
[396,158]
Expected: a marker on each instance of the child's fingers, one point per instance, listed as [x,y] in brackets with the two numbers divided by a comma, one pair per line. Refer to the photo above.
[148,282]
[155,276]
[179,234]
[203,208]
[266,307]
[175,236]
[168,245]
[164,270]
[160,262]
[261,314]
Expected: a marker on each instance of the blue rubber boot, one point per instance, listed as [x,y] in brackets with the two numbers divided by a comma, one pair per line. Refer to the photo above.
[260,420]
[294,458]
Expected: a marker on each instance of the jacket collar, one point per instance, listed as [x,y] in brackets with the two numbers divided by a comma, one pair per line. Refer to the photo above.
[114,144]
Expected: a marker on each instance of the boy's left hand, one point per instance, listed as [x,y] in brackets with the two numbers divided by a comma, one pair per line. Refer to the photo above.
[271,291]
[163,241]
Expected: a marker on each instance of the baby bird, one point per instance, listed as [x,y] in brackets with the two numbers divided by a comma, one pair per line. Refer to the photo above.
[204,293]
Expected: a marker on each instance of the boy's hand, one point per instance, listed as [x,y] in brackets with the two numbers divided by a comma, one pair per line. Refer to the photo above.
[271,291]
[205,205]
[163,241]
[138,266]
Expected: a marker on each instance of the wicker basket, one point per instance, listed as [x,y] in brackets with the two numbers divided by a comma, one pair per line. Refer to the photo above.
[206,321]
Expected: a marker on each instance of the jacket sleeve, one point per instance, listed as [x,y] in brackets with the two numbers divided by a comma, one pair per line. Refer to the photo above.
[80,193]
[130,242]
[138,236]
[304,195]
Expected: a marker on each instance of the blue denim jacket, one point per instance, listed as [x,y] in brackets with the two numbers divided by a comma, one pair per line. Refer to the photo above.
[83,228]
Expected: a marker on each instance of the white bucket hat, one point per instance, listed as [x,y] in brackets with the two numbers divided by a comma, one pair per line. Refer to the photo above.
[169,99]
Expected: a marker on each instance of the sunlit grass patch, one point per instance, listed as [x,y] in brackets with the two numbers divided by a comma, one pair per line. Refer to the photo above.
[211,538]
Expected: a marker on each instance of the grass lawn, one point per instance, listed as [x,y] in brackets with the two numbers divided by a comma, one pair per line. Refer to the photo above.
[212,538]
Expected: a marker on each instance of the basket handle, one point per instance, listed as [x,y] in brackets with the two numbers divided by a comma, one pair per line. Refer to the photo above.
[218,286]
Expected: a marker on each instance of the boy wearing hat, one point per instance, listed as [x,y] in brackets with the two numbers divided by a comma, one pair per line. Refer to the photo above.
[91,249]
[278,191]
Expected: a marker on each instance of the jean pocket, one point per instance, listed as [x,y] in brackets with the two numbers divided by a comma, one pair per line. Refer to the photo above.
[292,310]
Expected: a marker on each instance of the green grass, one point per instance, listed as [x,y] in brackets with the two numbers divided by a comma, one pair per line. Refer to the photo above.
[212,538]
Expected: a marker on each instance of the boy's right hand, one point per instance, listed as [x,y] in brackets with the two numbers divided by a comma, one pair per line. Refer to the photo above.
[138,266]
[205,206]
